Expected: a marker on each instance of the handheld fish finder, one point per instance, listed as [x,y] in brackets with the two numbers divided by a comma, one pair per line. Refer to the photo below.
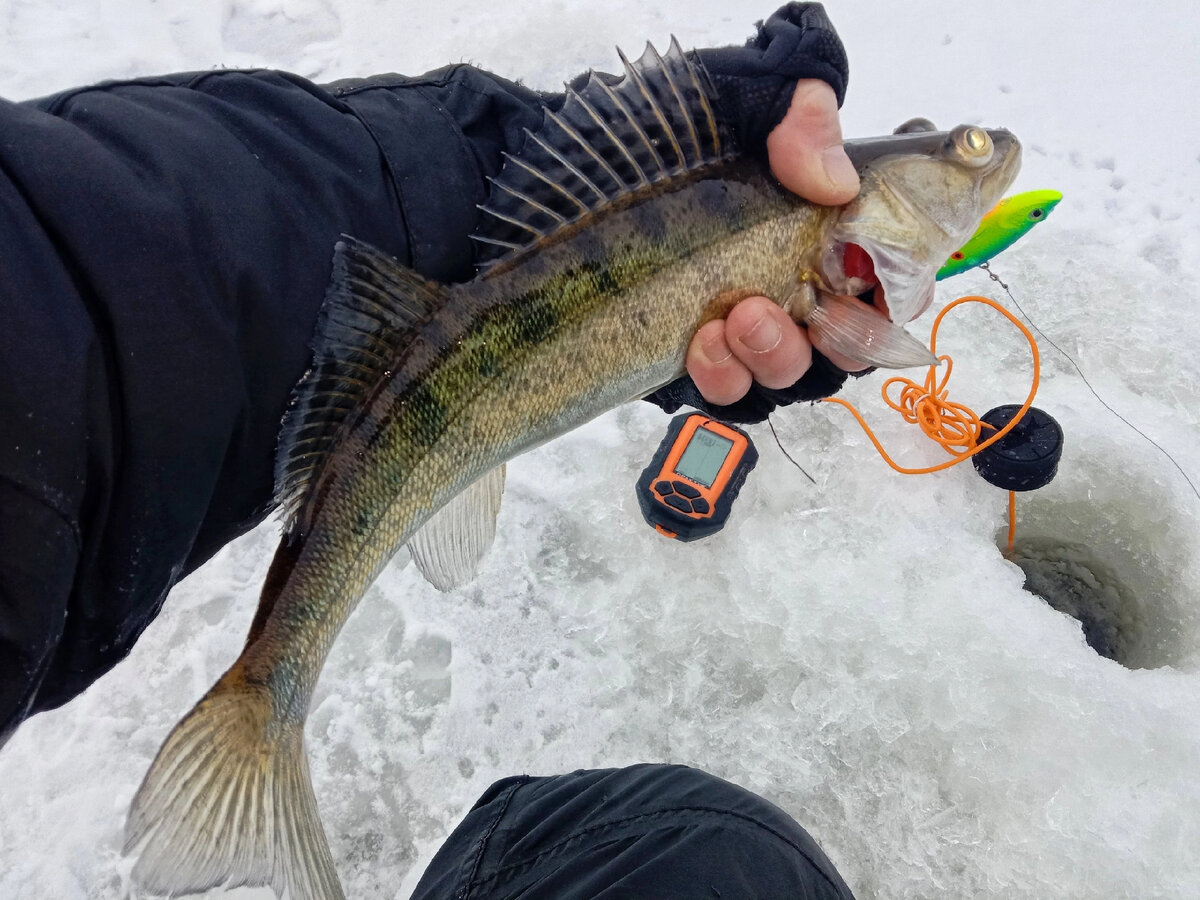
[689,487]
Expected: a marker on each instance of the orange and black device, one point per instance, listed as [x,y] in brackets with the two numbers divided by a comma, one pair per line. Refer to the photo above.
[689,487]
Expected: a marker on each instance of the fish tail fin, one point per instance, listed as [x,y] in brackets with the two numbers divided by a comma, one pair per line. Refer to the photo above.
[229,801]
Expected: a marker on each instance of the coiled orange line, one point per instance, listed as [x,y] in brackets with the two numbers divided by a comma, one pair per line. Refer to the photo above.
[953,425]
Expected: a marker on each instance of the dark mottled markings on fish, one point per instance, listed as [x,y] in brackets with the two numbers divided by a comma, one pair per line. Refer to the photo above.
[478,332]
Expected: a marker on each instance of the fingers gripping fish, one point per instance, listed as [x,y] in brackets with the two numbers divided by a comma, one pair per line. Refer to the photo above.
[628,221]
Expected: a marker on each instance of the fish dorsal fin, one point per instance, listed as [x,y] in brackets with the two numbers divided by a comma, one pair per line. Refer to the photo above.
[449,547]
[366,320]
[609,140]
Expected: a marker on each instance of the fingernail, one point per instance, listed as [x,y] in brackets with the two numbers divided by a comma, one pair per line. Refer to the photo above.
[715,350]
[838,169]
[763,336]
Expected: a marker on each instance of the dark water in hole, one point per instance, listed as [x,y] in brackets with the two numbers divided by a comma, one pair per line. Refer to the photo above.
[1070,581]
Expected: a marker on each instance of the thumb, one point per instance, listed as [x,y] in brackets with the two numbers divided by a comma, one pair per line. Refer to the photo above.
[805,149]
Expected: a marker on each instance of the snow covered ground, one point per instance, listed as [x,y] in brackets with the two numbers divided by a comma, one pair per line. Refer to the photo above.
[858,651]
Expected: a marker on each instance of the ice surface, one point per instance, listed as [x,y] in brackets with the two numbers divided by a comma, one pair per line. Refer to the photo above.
[858,651]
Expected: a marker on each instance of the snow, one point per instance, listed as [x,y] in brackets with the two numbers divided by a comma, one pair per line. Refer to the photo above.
[858,651]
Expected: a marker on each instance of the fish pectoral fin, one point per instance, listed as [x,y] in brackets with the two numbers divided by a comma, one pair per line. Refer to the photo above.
[229,801]
[862,332]
[449,547]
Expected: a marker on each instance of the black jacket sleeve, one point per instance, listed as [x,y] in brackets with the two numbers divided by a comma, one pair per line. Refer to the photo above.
[167,246]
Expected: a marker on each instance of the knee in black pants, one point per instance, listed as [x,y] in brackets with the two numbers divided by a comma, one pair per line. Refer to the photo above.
[652,831]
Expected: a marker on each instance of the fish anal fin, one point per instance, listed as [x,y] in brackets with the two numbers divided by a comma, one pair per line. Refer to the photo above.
[450,546]
[229,801]
[611,138]
[371,310]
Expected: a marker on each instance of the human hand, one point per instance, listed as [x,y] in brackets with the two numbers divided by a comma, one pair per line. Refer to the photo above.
[758,341]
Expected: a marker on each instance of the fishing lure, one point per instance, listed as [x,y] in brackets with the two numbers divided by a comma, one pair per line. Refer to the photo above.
[1007,222]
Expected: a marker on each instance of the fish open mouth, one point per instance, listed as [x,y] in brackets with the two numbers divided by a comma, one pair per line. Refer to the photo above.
[864,331]
[879,276]
[859,267]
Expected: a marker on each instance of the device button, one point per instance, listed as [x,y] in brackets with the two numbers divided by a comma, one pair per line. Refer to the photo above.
[663,487]
[678,502]
[684,488]
[700,505]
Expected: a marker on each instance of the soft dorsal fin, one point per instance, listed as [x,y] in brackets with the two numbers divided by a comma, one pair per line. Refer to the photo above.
[608,140]
[367,318]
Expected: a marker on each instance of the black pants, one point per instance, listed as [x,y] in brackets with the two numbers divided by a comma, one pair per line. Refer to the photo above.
[653,831]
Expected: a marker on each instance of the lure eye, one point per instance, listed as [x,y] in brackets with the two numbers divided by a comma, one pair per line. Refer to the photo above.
[1036,214]
[970,146]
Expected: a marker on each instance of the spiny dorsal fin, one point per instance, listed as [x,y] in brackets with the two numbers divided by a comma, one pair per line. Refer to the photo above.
[367,318]
[609,140]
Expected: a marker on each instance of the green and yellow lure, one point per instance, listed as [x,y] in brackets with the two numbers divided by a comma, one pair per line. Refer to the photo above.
[1000,229]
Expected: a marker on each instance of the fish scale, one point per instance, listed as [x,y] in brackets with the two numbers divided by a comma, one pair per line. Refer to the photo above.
[627,222]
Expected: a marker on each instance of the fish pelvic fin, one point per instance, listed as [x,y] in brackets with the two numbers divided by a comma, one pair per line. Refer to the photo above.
[229,801]
[450,546]
[369,318]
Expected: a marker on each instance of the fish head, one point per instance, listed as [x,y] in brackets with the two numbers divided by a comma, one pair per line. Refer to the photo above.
[923,194]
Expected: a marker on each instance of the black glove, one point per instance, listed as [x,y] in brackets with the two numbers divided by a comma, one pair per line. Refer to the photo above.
[755,84]
[822,379]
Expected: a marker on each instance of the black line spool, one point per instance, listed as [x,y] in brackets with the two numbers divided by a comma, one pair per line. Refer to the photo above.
[1027,457]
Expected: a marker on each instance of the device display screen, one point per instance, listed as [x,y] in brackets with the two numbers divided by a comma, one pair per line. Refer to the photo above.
[702,459]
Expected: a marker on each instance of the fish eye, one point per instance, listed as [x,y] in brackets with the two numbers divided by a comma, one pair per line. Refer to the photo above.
[970,146]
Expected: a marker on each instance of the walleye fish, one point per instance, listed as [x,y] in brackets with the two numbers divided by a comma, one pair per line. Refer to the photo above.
[628,220]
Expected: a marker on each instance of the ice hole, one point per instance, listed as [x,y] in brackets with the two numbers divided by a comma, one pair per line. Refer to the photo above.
[1122,557]
[1073,582]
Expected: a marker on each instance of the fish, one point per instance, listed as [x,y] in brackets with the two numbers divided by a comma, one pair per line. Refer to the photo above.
[628,220]
[1005,224]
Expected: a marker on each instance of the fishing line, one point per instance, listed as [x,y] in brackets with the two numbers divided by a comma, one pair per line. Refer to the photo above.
[785,453]
[996,278]
[954,426]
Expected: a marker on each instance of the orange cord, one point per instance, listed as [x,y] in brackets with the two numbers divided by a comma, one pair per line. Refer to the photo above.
[954,426]
[1012,518]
